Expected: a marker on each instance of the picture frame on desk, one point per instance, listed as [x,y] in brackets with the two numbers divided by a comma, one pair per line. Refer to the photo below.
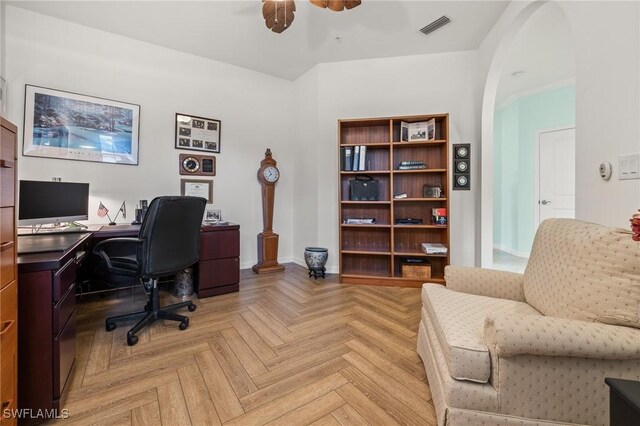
[197,133]
[213,216]
[70,126]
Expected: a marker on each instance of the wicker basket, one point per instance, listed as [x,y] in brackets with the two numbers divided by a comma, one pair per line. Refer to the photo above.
[416,270]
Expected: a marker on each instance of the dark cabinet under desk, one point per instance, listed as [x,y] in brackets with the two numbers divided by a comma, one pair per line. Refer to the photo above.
[218,271]
[47,337]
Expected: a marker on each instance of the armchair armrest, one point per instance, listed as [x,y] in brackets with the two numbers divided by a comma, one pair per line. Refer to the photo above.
[506,336]
[102,247]
[485,282]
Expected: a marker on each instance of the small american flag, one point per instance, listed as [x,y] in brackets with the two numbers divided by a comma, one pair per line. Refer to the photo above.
[102,210]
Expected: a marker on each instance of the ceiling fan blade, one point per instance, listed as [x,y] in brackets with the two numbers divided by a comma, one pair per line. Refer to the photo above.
[320,3]
[350,4]
[278,15]
[336,5]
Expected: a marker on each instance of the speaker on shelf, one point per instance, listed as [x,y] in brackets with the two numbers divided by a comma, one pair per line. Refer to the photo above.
[462,166]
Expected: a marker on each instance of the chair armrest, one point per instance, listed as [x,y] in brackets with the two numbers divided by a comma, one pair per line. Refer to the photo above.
[101,247]
[485,282]
[508,336]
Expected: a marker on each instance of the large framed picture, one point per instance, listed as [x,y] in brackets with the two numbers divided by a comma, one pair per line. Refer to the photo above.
[70,126]
[197,133]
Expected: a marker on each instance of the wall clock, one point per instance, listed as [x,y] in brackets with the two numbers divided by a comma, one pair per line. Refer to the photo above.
[268,175]
[197,165]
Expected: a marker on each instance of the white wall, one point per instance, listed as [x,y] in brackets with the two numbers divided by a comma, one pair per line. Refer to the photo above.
[421,84]
[607,46]
[256,112]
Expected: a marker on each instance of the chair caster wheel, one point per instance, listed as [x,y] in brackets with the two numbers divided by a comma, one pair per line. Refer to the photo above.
[184,324]
[192,307]
[132,340]
[110,326]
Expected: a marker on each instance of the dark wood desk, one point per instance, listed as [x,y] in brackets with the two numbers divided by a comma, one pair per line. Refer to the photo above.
[46,301]
[47,335]
[217,272]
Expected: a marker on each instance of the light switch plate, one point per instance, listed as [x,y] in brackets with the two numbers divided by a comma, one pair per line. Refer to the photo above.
[629,166]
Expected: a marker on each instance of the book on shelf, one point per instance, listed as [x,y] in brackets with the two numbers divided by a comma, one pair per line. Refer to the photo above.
[348,153]
[343,159]
[363,158]
[439,216]
[434,248]
[356,158]
[360,221]
[411,165]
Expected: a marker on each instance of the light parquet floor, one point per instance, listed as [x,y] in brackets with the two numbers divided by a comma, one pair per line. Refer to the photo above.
[284,350]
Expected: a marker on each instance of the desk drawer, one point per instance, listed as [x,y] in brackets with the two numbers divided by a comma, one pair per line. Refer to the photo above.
[7,168]
[64,355]
[9,347]
[64,278]
[63,309]
[219,244]
[7,247]
[216,273]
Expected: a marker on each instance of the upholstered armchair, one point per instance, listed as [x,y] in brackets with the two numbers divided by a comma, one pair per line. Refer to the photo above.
[502,348]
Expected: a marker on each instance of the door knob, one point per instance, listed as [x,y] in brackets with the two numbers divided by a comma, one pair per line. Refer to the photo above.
[545,202]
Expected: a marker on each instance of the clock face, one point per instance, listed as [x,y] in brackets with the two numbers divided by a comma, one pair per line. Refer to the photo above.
[271,174]
[191,164]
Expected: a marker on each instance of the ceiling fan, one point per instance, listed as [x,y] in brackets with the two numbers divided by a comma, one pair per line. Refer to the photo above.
[279,14]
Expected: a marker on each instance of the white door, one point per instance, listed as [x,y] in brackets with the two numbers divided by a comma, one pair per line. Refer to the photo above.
[557,174]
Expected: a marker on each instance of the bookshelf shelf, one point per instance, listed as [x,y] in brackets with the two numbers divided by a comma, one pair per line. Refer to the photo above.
[372,253]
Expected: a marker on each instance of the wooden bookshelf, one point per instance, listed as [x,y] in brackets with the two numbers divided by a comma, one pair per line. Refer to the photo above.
[372,253]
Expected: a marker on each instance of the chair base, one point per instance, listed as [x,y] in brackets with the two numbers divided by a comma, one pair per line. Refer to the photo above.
[151,313]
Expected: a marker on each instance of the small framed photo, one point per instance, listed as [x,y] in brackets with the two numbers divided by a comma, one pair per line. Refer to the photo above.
[431,129]
[213,216]
[197,188]
[197,133]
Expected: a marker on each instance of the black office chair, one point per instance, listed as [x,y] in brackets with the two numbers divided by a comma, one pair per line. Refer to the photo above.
[168,242]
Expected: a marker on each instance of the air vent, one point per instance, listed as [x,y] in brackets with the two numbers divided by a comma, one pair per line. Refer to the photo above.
[440,22]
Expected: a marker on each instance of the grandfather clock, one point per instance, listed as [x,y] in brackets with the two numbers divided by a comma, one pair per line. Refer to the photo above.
[268,175]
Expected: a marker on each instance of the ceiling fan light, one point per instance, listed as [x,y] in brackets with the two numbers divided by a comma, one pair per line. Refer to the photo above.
[336,5]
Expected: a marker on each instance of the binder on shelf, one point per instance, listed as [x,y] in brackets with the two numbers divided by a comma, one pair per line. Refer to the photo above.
[342,159]
[363,158]
[356,158]
[348,153]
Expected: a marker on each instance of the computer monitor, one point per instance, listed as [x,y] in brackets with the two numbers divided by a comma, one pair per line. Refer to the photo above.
[43,202]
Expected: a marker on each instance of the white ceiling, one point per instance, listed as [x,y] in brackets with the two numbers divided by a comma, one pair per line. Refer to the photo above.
[544,50]
[234,31]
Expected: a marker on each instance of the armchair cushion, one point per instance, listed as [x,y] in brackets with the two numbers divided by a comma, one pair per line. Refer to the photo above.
[458,321]
[508,336]
[584,271]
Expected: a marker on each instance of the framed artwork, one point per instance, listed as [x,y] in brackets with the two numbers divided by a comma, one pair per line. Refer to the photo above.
[197,133]
[70,126]
[197,188]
